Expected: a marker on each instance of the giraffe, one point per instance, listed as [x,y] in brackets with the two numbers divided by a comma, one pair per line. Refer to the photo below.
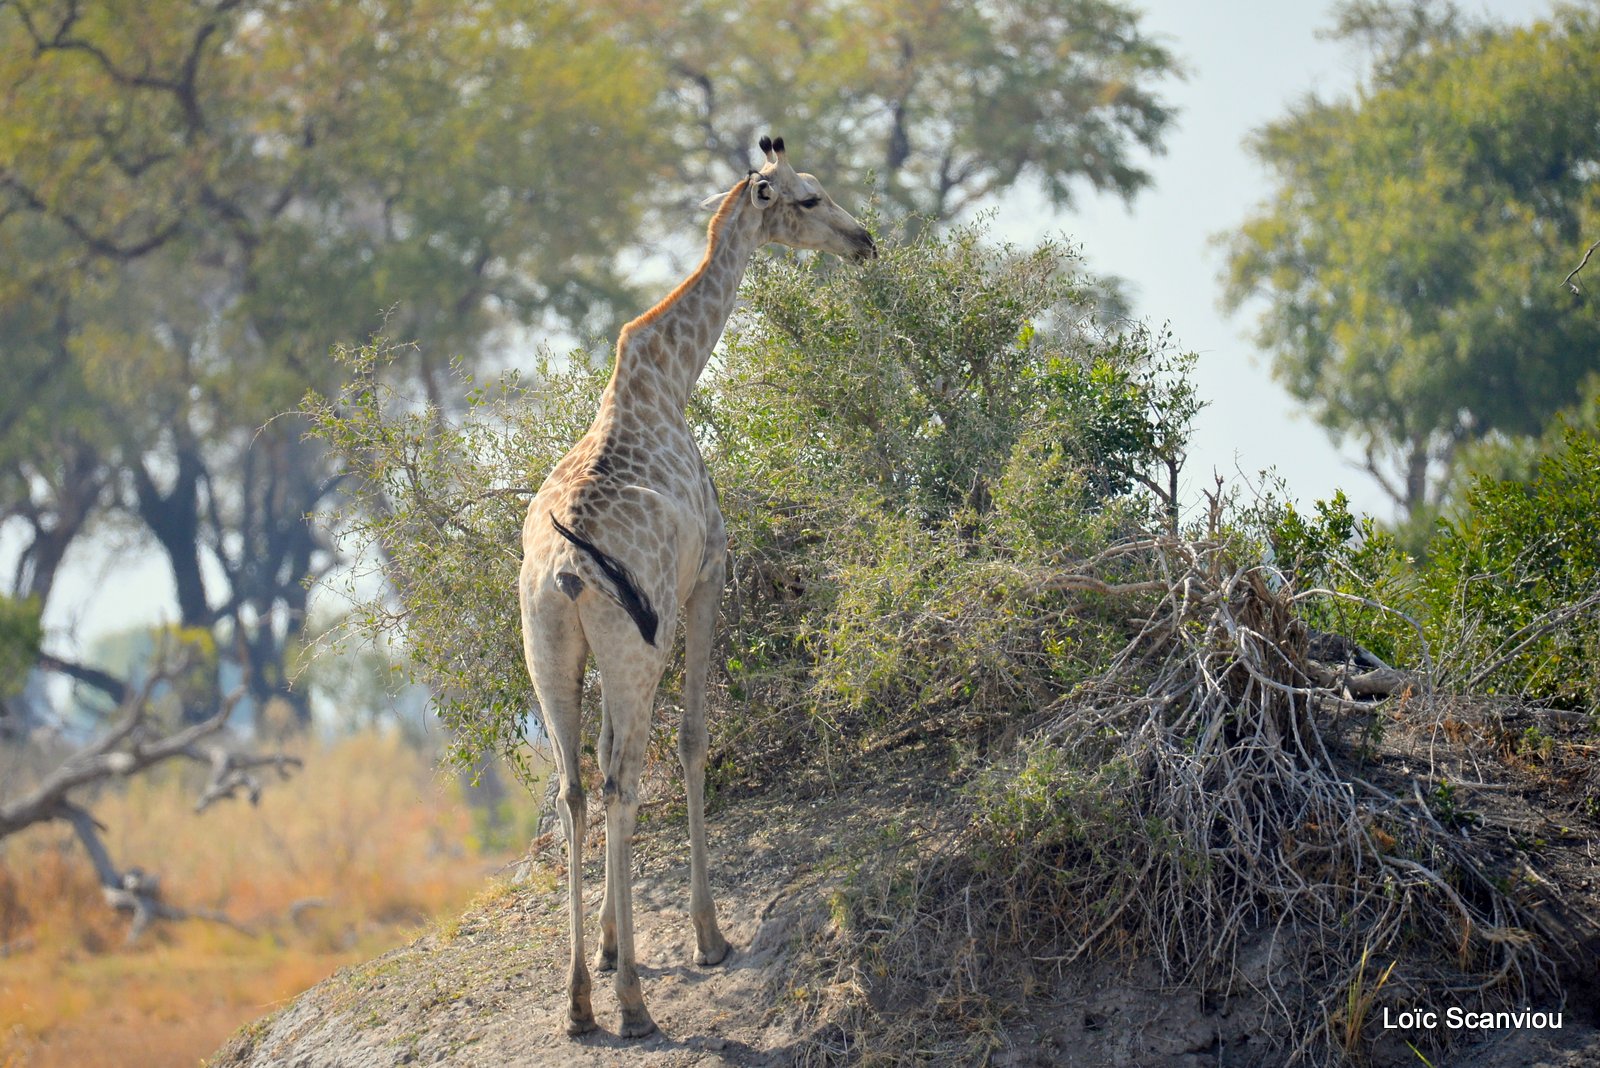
[623,535]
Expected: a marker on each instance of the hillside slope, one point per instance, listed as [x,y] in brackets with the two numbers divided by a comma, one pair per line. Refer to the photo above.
[488,990]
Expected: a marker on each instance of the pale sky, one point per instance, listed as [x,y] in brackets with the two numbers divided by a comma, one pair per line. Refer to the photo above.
[1247,61]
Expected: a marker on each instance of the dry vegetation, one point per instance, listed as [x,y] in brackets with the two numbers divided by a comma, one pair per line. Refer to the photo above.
[346,860]
[1215,807]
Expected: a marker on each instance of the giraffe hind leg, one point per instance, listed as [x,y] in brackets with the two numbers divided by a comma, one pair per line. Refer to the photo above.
[630,670]
[605,957]
[554,647]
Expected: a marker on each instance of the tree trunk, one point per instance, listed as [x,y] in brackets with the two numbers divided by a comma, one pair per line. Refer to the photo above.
[173,518]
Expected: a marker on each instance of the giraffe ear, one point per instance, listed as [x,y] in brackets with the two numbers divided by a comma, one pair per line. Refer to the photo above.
[713,202]
[761,193]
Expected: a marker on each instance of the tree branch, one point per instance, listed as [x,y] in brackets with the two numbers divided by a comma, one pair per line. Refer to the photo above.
[1568,280]
[103,681]
[135,891]
[128,748]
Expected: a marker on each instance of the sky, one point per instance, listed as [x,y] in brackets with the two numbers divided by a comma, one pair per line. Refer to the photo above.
[1247,62]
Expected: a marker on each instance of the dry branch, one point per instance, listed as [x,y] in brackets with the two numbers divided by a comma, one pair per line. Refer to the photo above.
[131,745]
[1214,712]
[1568,280]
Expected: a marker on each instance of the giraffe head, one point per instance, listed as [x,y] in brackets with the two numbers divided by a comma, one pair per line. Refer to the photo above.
[796,210]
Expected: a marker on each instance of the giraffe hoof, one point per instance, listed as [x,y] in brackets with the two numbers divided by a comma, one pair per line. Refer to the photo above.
[713,955]
[605,960]
[637,1023]
[577,1026]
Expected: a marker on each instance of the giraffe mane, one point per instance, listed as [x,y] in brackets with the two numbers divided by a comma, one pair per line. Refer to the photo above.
[713,232]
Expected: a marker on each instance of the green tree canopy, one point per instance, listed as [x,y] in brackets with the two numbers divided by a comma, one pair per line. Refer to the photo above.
[1412,253]
[198,198]
[945,104]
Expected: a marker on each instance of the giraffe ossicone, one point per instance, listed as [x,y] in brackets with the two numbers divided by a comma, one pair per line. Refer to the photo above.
[622,539]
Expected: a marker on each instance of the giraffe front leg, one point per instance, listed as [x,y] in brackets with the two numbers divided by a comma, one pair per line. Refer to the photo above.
[605,957]
[622,810]
[699,622]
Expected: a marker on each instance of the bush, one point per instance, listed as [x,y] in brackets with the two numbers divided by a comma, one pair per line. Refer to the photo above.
[902,450]
[1515,581]
[1330,549]
[1508,595]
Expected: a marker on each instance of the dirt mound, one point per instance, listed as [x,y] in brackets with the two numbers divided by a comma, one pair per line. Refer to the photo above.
[488,989]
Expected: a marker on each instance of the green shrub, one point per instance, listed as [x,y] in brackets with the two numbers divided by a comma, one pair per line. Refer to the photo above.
[1516,579]
[903,450]
[1330,549]
[20,635]
[1507,596]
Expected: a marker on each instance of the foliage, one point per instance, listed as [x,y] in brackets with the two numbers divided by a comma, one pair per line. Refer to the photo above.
[903,450]
[20,634]
[1412,251]
[436,503]
[196,202]
[918,377]
[1507,595]
[1331,549]
[1518,576]
[935,107]
[1058,833]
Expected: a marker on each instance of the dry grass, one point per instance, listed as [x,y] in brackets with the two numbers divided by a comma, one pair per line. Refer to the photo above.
[369,828]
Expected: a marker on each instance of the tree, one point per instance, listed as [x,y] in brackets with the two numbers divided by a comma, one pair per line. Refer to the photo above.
[196,200]
[1411,256]
[944,105]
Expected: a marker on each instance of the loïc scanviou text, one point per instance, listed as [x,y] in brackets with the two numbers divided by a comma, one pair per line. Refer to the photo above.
[1457,1019]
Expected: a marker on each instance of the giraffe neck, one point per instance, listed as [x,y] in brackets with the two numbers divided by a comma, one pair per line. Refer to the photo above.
[670,344]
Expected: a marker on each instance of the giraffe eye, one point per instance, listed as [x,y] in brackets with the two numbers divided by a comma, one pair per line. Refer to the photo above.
[810,202]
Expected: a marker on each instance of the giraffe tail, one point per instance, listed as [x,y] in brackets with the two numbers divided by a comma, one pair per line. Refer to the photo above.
[627,593]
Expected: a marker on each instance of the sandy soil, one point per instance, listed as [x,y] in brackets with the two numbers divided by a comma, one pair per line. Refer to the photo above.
[488,990]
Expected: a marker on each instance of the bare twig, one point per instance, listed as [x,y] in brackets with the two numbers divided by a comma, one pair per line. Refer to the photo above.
[1568,280]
